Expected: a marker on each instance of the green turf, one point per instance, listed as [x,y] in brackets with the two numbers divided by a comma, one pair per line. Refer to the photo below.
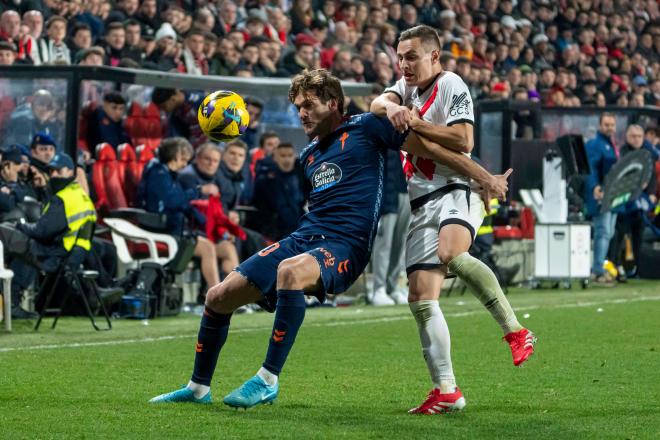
[353,373]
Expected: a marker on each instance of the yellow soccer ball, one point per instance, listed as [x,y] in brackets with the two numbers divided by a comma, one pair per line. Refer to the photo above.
[223,116]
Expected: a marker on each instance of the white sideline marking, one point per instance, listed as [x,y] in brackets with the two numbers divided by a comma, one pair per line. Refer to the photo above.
[321,324]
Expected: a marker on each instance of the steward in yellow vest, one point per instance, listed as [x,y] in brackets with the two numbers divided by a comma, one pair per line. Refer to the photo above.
[68,209]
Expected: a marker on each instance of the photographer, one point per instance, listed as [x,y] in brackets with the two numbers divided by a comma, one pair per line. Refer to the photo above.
[12,190]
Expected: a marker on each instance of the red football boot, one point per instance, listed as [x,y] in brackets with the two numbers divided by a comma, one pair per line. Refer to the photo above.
[522,345]
[438,403]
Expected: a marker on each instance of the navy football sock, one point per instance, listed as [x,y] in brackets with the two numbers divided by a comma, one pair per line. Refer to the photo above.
[289,315]
[210,339]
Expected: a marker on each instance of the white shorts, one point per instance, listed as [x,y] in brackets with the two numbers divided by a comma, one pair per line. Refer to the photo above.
[426,221]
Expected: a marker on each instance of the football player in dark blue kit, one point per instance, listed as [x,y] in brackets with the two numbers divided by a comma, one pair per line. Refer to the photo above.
[343,168]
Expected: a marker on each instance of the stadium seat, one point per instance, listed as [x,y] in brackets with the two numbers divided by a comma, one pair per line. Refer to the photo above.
[130,172]
[124,233]
[106,180]
[6,275]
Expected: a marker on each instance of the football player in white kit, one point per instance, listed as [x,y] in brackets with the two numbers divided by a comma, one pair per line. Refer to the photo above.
[446,210]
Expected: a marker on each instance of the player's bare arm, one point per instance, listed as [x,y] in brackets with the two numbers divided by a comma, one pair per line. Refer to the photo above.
[458,137]
[493,186]
[389,104]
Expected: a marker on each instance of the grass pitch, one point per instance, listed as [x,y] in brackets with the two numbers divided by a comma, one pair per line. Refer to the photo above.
[353,373]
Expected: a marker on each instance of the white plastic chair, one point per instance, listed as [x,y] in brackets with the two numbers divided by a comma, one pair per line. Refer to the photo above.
[122,231]
[6,275]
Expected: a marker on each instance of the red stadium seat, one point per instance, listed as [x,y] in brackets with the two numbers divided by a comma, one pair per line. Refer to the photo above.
[106,181]
[130,172]
[7,105]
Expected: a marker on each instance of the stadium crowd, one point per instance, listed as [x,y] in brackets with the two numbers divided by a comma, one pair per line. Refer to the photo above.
[574,53]
[569,53]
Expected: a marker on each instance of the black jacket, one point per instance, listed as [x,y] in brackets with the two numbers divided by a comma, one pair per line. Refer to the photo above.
[231,187]
[279,197]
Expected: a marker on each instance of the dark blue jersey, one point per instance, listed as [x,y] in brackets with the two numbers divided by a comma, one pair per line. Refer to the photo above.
[344,179]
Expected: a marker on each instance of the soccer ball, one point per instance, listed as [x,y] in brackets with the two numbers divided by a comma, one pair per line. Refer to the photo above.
[223,116]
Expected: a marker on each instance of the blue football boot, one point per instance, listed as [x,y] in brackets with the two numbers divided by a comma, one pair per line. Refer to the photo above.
[253,392]
[180,396]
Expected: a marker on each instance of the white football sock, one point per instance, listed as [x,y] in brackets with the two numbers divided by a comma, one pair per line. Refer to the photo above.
[267,376]
[436,344]
[198,390]
[484,285]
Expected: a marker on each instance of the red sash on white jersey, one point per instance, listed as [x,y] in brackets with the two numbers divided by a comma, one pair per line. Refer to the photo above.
[412,164]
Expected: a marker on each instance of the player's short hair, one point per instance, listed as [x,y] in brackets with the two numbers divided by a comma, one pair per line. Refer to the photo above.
[285,145]
[319,82]
[426,34]
[170,147]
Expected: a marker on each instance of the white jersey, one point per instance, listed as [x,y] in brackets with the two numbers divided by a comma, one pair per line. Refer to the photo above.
[445,102]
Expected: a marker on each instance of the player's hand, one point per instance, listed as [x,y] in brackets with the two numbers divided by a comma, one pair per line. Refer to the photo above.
[598,192]
[399,116]
[5,190]
[496,187]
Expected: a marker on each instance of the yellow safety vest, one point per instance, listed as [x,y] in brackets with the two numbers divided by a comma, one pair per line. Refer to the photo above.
[487,224]
[79,209]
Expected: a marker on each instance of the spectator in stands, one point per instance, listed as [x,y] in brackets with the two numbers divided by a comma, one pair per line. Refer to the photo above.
[93,56]
[10,28]
[194,58]
[341,64]
[34,21]
[160,191]
[230,174]
[115,42]
[7,53]
[227,15]
[148,17]
[303,58]
[135,47]
[226,58]
[202,173]
[602,155]
[179,113]
[126,9]
[106,123]
[255,108]
[166,56]
[52,48]
[80,39]
[278,192]
[37,116]
[268,142]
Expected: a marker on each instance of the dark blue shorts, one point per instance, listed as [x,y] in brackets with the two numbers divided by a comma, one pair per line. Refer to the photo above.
[341,264]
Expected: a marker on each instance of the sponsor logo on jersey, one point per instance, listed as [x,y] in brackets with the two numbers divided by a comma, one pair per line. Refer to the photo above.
[460,105]
[325,176]
[453,211]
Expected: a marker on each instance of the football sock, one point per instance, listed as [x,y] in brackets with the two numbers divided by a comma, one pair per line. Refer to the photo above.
[436,344]
[198,390]
[267,376]
[483,284]
[210,339]
[289,315]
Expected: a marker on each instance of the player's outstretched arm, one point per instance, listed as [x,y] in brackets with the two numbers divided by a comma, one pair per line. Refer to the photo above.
[458,137]
[493,186]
